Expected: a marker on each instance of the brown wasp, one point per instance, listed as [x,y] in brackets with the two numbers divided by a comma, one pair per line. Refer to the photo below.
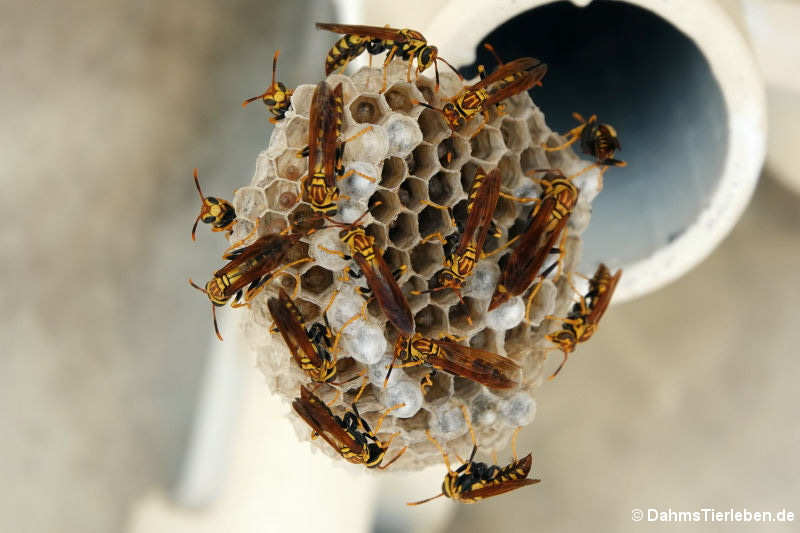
[404,43]
[547,221]
[324,150]
[509,79]
[582,320]
[597,140]
[249,269]
[380,278]
[461,260]
[276,97]
[475,481]
[486,368]
[311,349]
[215,211]
[350,435]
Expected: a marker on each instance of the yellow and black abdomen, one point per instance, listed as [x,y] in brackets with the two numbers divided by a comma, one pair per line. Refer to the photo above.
[343,51]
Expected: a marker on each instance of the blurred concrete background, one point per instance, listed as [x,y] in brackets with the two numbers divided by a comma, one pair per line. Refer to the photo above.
[686,398]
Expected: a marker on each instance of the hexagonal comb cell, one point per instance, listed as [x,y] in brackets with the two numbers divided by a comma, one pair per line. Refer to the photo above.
[515,134]
[532,159]
[431,321]
[433,220]
[425,162]
[297,132]
[466,316]
[304,219]
[393,172]
[298,251]
[487,144]
[537,128]
[366,109]
[282,195]
[396,260]
[316,280]
[383,206]
[452,151]
[415,301]
[556,158]
[400,97]
[403,230]
[468,172]
[433,126]
[440,389]
[506,211]
[378,231]
[517,337]
[426,258]
[427,89]
[443,187]
[483,340]
[412,193]
[509,170]
[289,166]
[309,310]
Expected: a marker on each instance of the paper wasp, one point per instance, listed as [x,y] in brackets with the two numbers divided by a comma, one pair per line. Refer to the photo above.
[249,269]
[475,481]
[486,368]
[215,211]
[276,97]
[403,43]
[325,151]
[582,320]
[380,278]
[597,140]
[547,222]
[461,260]
[509,79]
[350,435]
[311,349]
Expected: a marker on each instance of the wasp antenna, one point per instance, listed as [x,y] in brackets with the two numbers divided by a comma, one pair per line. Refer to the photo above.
[389,373]
[492,51]
[275,65]
[436,70]
[426,500]
[423,104]
[443,60]
[197,184]
[194,227]
[216,327]
[193,284]
[253,99]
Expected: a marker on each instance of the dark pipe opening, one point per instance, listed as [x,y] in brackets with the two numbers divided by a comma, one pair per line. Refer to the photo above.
[640,74]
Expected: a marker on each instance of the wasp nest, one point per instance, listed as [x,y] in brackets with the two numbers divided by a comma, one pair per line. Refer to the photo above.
[414,157]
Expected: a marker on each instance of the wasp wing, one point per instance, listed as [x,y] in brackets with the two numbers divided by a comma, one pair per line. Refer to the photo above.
[512,68]
[499,488]
[602,301]
[317,415]
[483,196]
[376,32]
[518,85]
[388,294]
[486,368]
[289,322]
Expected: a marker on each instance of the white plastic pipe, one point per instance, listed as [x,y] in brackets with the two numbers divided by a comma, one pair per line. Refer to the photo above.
[680,84]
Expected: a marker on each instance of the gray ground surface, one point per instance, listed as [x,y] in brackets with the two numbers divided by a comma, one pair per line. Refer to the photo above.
[686,398]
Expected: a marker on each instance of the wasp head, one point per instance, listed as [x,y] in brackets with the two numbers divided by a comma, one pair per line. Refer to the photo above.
[454,119]
[426,56]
